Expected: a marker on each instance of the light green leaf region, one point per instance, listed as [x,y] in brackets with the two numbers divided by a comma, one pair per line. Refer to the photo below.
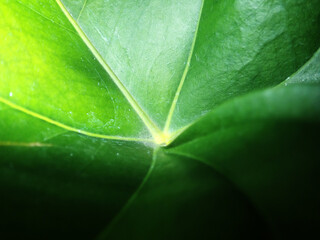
[145,43]
[309,73]
[46,70]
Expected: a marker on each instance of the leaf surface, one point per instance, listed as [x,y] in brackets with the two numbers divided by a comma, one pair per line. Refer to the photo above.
[60,184]
[180,59]
[257,151]
[91,90]
[47,69]
[265,143]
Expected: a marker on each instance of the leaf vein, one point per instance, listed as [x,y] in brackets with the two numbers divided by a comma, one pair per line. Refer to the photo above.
[152,127]
[24,144]
[69,128]
[104,234]
[81,11]
[184,75]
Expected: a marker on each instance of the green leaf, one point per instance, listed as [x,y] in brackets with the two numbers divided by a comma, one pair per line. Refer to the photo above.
[184,199]
[92,91]
[259,152]
[185,58]
[47,69]
[266,145]
[308,74]
[59,184]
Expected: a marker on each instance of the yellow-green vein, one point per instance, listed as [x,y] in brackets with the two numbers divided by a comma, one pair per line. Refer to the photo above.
[152,127]
[83,6]
[24,144]
[64,126]
[184,75]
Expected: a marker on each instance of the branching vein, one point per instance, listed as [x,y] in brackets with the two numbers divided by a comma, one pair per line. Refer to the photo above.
[83,6]
[184,75]
[104,234]
[64,126]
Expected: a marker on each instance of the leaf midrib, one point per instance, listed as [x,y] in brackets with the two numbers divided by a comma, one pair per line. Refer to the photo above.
[152,127]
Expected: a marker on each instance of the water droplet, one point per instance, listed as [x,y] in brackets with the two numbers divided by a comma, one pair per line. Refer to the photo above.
[117,154]
[10,94]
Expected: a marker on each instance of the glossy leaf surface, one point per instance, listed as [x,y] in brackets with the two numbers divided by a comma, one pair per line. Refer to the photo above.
[90,91]
[233,48]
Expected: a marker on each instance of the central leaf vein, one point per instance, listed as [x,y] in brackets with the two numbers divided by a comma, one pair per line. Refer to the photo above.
[152,127]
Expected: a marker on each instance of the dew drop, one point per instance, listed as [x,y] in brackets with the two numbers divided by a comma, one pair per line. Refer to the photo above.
[10,94]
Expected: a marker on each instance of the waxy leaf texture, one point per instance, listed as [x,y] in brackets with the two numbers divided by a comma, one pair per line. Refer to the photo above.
[159,119]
